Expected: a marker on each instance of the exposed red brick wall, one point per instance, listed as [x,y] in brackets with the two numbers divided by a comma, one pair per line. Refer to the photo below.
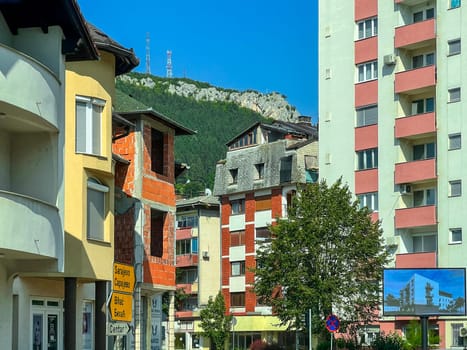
[276,202]
[169,157]
[225,271]
[226,295]
[250,300]
[159,274]
[226,210]
[158,191]
[225,241]
[250,238]
[124,174]
[250,262]
[124,237]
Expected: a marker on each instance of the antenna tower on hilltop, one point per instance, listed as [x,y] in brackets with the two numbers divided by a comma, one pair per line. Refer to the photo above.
[148,55]
[169,64]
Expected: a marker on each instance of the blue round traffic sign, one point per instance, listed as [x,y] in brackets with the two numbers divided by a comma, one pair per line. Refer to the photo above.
[332,323]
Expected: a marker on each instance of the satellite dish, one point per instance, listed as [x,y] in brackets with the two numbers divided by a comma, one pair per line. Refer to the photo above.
[207,192]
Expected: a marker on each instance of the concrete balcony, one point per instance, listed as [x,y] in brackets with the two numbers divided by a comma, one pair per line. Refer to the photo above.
[31,230]
[416,260]
[415,171]
[30,93]
[409,2]
[415,125]
[366,50]
[366,137]
[366,93]
[415,81]
[415,217]
[366,181]
[187,260]
[415,35]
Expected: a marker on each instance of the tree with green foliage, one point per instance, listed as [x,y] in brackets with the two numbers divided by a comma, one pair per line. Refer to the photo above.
[413,336]
[328,256]
[215,322]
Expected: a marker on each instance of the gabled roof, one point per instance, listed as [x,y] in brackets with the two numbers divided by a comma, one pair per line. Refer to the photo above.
[179,129]
[125,59]
[204,201]
[76,45]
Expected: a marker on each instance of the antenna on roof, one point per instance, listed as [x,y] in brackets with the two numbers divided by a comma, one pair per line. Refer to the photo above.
[169,64]
[148,55]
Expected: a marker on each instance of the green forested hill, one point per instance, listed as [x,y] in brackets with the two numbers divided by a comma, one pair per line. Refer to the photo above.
[215,123]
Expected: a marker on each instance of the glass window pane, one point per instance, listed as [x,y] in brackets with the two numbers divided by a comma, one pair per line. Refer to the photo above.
[368,71]
[95,213]
[418,16]
[80,126]
[371,115]
[430,150]
[429,243]
[417,107]
[417,244]
[455,141]
[375,23]
[361,70]
[430,197]
[194,245]
[375,70]
[96,129]
[417,61]
[368,28]
[430,13]
[454,94]
[430,104]
[418,152]
[456,235]
[430,59]
[361,160]
[417,198]
[454,47]
[455,3]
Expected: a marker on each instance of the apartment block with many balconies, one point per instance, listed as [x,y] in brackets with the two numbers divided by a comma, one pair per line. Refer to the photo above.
[391,125]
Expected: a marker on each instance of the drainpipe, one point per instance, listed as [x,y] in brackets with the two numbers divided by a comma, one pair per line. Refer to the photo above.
[138,256]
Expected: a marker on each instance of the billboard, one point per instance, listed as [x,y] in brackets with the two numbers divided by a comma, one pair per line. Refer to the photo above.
[418,292]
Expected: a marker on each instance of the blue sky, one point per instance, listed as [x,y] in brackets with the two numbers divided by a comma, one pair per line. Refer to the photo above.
[264,45]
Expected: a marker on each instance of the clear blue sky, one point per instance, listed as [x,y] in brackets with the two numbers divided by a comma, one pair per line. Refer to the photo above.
[264,45]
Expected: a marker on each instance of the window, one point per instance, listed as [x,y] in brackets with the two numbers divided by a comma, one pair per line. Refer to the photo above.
[263,233]
[367,159]
[454,94]
[424,197]
[456,235]
[419,61]
[237,299]
[46,318]
[237,268]
[457,339]
[424,243]
[367,71]
[454,47]
[259,171]
[187,221]
[245,140]
[367,116]
[238,206]
[285,174]
[455,141]
[186,275]
[455,3]
[157,232]
[233,176]
[369,200]
[424,105]
[424,151]
[367,28]
[423,15]
[88,125]
[455,188]
[157,152]
[237,238]
[96,209]
[186,246]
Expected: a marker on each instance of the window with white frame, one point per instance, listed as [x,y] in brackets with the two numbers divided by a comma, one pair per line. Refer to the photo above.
[455,188]
[454,94]
[454,47]
[96,209]
[367,28]
[424,151]
[423,105]
[454,3]
[424,197]
[367,71]
[423,60]
[238,206]
[455,141]
[88,125]
[457,339]
[46,323]
[424,243]
[423,15]
[237,268]
[367,115]
[455,235]
[369,200]
[186,246]
[367,159]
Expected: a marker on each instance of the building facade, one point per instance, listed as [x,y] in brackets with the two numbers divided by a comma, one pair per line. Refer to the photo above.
[395,134]
[143,146]
[255,183]
[197,249]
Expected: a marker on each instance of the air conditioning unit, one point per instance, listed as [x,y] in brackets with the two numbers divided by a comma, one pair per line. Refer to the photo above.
[405,189]
[463,332]
[389,60]
[205,254]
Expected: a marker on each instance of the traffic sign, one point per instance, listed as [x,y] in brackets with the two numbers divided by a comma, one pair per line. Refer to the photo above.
[332,323]
[121,307]
[124,278]
[118,328]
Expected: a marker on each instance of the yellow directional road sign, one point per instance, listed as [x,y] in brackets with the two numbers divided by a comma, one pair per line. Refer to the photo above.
[124,278]
[121,307]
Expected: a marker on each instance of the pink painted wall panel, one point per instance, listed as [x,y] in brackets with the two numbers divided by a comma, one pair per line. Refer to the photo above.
[414,33]
[414,171]
[415,79]
[366,137]
[415,125]
[366,181]
[366,93]
[365,9]
[366,50]
[413,217]
[416,260]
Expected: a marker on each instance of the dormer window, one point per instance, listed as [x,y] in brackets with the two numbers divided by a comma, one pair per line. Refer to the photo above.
[233,176]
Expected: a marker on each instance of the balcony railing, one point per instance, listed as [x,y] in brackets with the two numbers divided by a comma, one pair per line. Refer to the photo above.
[416,260]
[415,125]
[415,171]
[415,217]
[366,50]
[415,35]
[415,81]
[366,181]
[366,137]
[187,260]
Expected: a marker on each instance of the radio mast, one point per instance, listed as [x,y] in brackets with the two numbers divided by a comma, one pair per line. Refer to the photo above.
[169,64]
[148,55]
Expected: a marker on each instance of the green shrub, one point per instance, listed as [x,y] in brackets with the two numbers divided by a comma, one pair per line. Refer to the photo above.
[391,341]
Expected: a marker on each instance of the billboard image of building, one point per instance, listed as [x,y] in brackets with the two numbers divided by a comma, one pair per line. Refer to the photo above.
[413,292]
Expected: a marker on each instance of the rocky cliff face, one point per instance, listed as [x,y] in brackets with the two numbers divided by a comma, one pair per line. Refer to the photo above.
[272,105]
